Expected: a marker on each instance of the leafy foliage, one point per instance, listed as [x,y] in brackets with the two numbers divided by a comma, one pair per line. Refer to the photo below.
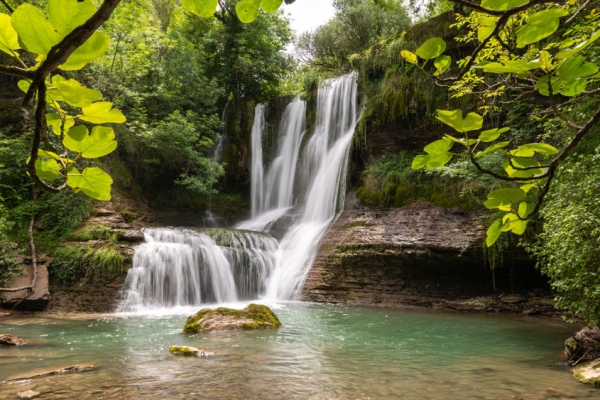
[82,264]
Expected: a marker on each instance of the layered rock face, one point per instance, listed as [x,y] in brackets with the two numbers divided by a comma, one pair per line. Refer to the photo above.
[416,255]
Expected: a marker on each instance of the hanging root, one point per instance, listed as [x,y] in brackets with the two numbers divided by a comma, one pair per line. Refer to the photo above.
[584,346]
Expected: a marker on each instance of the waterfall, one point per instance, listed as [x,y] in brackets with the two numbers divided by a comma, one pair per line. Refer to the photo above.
[178,267]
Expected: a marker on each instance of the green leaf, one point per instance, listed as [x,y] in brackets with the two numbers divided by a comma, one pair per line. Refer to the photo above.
[74,93]
[439,146]
[36,33]
[54,121]
[202,8]
[419,162]
[492,134]
[528,150]
[493,232]
[521,162]
[455,120]
[93,182]
[270,6]
[539,26]
[501,5]
[486,27]
[93,48]
[504,197]
[525,209]
[462,141]
[47,170]
[528,186]
[247,10]
[510,66]
[438,160]
[580,47]
[66,15]
[492,149]
[100,143]
[442,63]
[511,222]
[409,56]
[9,40]
[101,113]
[431,48]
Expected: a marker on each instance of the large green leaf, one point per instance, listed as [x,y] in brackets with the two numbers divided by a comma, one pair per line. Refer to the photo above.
[409,56]
[504,197]
[101,113]
[247,10]
[54,121]
[97,144]
[36,33]
[491,149]
[501,5]
[492,134]
[493,232]
[539,26]
[202,8]
[432,48]
[525,209]
[437,160]
[66,15]
[419,162]
[439,146]
[511,222]
[528,150]
[574,68]
[486,27]
[442,63]
[93,182]
[580,47]
[9,40]
[47,166]
[454,119]
[510,66]
[74,93]
[93,48]
[521,162]
[270,6]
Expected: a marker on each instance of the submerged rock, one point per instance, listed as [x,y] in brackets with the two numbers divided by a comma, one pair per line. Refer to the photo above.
[254,316]
[11,340]
[58,371]
[189,351]
[588,372]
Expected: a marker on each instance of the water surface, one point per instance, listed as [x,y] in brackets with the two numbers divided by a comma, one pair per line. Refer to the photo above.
[321,352]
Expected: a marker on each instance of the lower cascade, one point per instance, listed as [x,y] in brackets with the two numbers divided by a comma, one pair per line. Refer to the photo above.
[306,174]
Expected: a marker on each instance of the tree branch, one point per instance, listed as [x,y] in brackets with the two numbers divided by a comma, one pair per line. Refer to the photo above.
[16,71]
[9,8]
[61,52]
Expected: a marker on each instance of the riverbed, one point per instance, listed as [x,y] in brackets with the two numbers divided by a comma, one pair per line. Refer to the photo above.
[321,352]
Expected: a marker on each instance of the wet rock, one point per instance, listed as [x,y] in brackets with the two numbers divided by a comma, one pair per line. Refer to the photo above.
[36,300]
[58,371]
[513,298]
[254,316]
[29,394]
[130,235]
[588,372]
[11,340]
[189,351]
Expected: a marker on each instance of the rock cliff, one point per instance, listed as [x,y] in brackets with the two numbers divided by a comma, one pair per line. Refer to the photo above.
[420,255]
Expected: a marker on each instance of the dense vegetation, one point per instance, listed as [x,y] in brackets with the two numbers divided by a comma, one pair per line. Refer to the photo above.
[173,75]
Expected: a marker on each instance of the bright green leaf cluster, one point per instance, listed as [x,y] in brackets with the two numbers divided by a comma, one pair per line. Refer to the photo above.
[432,49]
[247,10]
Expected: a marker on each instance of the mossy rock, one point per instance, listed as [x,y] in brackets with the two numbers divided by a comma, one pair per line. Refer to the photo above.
[188,351]
[588,372]
[254,316]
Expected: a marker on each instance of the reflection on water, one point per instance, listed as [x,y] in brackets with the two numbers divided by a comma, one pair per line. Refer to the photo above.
[322,352]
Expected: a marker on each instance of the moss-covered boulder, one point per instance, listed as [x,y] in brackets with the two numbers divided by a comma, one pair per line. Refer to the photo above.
[189,351]
[588,372]
[254,316]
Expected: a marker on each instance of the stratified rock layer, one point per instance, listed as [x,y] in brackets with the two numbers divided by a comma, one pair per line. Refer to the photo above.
[254,316]
[419,255]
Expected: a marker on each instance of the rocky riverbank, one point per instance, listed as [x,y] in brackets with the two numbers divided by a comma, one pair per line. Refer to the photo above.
[421,256]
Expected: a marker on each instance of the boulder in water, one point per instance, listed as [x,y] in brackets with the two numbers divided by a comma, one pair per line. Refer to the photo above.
[588,372]
[11,340]
[254,316]
[189,351]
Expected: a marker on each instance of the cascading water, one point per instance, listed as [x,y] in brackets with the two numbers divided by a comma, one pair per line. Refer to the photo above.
[180,267]
[185,267]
